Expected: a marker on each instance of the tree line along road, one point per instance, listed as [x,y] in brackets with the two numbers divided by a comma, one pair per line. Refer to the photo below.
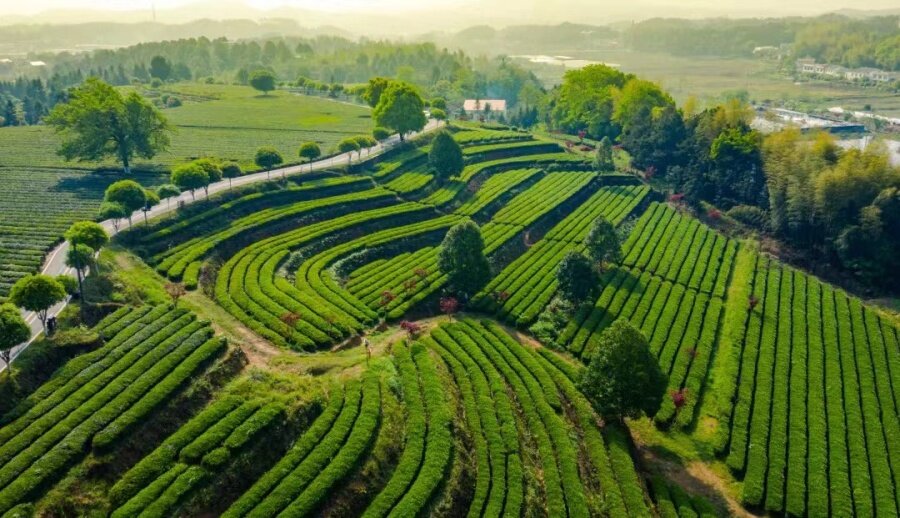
[55,263]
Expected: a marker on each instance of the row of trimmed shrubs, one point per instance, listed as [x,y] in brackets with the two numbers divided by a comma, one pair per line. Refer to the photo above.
[95,403]
[192,455]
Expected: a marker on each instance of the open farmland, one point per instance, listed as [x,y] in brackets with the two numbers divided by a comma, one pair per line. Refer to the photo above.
[228,122]
[340,412]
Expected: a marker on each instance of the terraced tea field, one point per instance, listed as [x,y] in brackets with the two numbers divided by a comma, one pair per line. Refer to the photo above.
[790,382]
[813,394]
[43,194]
[101,396]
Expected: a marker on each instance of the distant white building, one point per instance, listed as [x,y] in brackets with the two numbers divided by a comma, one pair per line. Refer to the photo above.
[768,120]
[809,66]
[37,63]
[493,106]
[837,110]
[771,51]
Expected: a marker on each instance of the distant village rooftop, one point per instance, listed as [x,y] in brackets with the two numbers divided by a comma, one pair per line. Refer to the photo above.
[478,105]
[809,66]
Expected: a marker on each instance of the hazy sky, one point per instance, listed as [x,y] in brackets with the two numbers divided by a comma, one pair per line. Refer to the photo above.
[669,7]
[408,18]
[37,6]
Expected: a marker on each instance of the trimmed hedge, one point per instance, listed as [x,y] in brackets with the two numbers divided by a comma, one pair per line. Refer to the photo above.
[119,395]
[363,433]
[348,394]
[439,441]
[247,287]
[78,371]
[680,249]
[166,455]
[499,425]
[217,432]
[174,261]
[813,410]
[482,422]
[546,160]
[295,477]
[414,446]
[525,381]
[192,275]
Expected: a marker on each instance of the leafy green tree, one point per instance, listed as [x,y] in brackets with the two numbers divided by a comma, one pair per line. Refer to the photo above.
[438,114]
[636,96]
[585,101]
[80,258]
[737,164]
[376,86]
[213,171]
[869,245]
[462,258]
[602,242]
[603,159]
[439,103]
[722,161]
[127,193]
[68,283]
[334,89]
[365,143]
[446,157]
[88,233]
[262,80]
[231,170]
[310,151]
[381,134]
[112,211]
[37,293]
[189,177]
[655,139]
[623,378]
[160,68]
[791,166]
[13,331]
[348,145]
[400,108]
[97,122]
[167,191]
[842,191]
[268,157]
[576,277]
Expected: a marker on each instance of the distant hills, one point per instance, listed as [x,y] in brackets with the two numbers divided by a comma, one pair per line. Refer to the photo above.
[23,38]
[684,35]
[526,39]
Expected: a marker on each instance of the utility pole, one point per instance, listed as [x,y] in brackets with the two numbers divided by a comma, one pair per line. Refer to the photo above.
[153,8]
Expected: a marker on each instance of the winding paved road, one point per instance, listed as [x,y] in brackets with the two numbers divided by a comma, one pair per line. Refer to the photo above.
[55,263]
